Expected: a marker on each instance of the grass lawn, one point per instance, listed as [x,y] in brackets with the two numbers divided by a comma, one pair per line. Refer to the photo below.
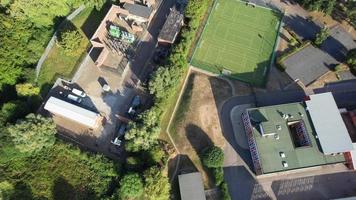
[57,63]
[239,39]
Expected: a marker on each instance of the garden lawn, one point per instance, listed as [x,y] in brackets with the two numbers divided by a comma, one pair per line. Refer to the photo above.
[57,63]
[238,41]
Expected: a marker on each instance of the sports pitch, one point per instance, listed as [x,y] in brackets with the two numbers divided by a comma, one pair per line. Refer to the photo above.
[238,41]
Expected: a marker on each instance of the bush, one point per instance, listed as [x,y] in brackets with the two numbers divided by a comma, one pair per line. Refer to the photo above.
[131,186]
[213,157]
[225,191]
[69,41]
[156,154]
[6,190]
[351,60]
[218,175]
[13,110]
[321,37]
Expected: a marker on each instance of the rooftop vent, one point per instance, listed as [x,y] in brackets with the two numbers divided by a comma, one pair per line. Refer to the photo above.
[282,154]
[301,114]
[285,116]
[279,127]
[285,164]
[276,136]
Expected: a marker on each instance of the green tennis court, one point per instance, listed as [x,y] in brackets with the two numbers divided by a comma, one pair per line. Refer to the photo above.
[238,41]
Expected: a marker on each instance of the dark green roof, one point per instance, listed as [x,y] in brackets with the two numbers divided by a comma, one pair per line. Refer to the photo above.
[269,148]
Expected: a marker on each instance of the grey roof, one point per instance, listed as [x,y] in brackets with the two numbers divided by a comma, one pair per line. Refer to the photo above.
[191,186]
[138,10]
[328,124]
[338,43]
[172,26]
[308,64]
[72,112]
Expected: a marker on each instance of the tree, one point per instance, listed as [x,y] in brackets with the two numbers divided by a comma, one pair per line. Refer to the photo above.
[131,186]
[27,90]
[98,4]
[213,157]
[351,60]
[6,190]
[156,184]
[142,135]
[13,110]
[329,7]
[41,13]
[33,134]
[321,36]
[69,41]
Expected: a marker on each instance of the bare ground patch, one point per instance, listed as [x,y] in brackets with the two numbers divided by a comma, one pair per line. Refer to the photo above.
[196,123]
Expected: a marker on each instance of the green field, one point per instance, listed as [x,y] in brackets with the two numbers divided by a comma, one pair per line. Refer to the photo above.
[238,41]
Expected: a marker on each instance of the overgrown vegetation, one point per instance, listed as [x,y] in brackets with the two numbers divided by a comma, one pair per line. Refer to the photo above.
[39,166]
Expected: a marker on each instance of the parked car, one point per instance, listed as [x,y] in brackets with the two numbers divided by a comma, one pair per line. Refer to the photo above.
[74,98]
[122,130]
[116,141]
[79,92]
[136,101]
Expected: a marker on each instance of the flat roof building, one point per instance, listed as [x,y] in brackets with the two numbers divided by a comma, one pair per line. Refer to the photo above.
[171,27]
[291,136]
[72,112]
[191,186]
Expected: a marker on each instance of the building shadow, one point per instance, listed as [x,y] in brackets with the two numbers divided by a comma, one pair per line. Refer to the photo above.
[185,166]
[304,28]
[342,99]
[94,19]
[242,185]
[329,186]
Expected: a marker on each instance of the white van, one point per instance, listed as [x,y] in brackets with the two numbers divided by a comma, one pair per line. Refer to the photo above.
[74,98]
[79,92]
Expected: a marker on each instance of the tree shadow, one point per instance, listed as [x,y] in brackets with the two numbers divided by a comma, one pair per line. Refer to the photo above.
[22,191]
[200,141]
[198,138]
[64,190]
[304,28]
[246,187]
